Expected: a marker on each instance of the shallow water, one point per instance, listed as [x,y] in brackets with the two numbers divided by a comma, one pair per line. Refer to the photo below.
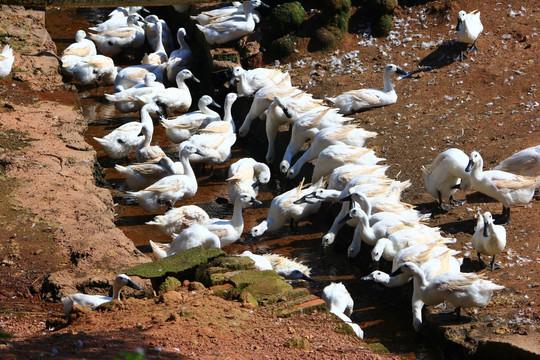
[384,314]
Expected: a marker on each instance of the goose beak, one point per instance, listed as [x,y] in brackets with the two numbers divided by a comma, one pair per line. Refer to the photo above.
[367,278]
[195,79]
[264,5]
[287,113]
[160,114]
[132,284]
[346,198]
[344,219]
[307,278]
[459,25]
[486,230]
[233,80]
[401,71]
[215,104]
[199,152]
[304,198]
[255,201]
[255,184]
[469,166]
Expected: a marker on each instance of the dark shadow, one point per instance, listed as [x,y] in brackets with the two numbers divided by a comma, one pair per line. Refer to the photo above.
[465,226]
[134,220]
[446,54]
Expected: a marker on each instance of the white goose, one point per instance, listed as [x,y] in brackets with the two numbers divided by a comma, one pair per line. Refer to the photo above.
[283,208]
[232,29]
[174,98]
[459,289]
[468,29]
[184,126]
[278,114]
[344,135]
[251,81]
[263,98]
[179,58]
[158,34]
[229,231]
[139,176]
[93,69]
[363,99]
[289,269]
[217,138]
[245,175]
[117,18]
[131,76]
[488,239]
[337,155]
[120,142]
[6,61]
[306,127]
[112,42]
[507,188]
[159,56]
[165,192]
[191,237]
[343,174]
[146,152]
[340,303]
[445,175]
[81,48]
[93,301]
[177,219]
[123,100]
[525,162]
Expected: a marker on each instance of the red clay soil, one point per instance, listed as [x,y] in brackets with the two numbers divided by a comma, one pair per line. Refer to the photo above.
[55,216]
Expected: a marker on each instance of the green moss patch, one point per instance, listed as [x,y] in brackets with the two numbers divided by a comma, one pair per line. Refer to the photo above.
[170,284]
[286,18]
[297,343]
[268,289]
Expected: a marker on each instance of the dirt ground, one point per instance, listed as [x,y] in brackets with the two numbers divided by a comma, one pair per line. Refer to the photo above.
[55,217]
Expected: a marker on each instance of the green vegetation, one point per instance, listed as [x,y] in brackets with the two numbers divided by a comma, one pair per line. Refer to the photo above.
[282,47]
[286,18]
[297,343]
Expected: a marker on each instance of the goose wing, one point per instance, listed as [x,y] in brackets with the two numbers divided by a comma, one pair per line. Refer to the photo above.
[364,95]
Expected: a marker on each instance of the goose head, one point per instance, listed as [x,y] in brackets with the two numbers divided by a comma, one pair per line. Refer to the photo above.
[474,159]
[310,198]
[395,69]
[461,19]
[488,219]
[133,20]
[207,100]
[377,276]
[181,35]
[248,199]
[152,108]
[185,74]
[149,78]
[186,148]
[124,280]
[80,36]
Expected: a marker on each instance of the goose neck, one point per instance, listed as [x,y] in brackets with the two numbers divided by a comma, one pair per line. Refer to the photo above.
[116,292]
[387,81]
[188,170]
[368,235]
[237,218]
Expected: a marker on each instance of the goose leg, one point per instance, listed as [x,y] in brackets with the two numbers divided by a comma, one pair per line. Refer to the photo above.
[456,202]
[492,265]
[444,207]
[505,218]
[457,311]
[483,265]
[473,48]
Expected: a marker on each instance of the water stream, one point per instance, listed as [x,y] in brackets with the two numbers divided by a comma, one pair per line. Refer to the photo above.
[384,314]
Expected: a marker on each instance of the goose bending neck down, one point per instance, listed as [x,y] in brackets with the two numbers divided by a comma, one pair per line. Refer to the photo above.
[93,301]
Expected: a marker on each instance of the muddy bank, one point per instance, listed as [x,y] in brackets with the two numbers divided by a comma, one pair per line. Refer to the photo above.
[52,175]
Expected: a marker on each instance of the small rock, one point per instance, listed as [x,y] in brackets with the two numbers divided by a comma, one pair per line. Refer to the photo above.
[171,297]
[196,286]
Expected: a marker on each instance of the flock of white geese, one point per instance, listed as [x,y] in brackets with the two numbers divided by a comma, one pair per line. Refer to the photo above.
[345,170]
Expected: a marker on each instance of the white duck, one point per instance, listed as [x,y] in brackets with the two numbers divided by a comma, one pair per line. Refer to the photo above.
[344,135]
[112,42]
[340,303]
[158,34]
[191,237]
[250,81]
[184,126]
[159,56]
[337,155]
[146,152]
[131,76]
[459,289]
[278,114]
[525,162]
[174,98]
[507,188]
[206,17]
[165,192]
[468,29]
[488,239]
[140,176]
[93,301]
[6,61]
[120,142]
[283,208]
[93,69]
[177,219]
[289,269]
[229,231]
[123,100]
[232,29]
[81,48]
[263,98]
[245,175]
[445,175]
[363,99]
[180,58]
